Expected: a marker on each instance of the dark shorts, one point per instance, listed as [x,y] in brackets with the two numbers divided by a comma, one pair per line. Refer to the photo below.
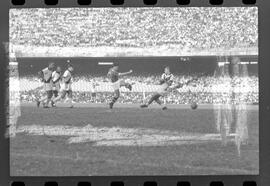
[55,93]
[49,94]
[66,92]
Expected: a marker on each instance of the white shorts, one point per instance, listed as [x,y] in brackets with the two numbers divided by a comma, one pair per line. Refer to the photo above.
[47,86]
[56,86]
[162,89]
[65,87]
[116,85]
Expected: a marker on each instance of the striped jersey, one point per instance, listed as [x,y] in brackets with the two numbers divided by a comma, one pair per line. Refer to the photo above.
[167,78]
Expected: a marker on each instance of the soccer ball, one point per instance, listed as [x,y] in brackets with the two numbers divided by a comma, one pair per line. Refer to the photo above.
[194,105]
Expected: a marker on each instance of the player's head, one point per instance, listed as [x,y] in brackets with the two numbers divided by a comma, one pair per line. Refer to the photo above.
[167,70]
[70,68]
[51,66]
[58,69]
[115,66]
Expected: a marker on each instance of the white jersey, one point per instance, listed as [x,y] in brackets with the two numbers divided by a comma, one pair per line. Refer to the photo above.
[47,77]
[66,80]
[56,76]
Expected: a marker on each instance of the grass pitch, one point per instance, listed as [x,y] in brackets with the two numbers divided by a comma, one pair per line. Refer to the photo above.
[91,140]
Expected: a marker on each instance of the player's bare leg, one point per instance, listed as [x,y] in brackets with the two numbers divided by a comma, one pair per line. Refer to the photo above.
[55,95]
[127,85]
[46,104]
[58,98]
[45,100]
[69,99]
[115,98]
[160,103]
[41,100]
[48,100]
[155,97]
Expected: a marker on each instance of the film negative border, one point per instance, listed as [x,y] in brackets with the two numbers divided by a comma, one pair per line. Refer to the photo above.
[122,2]
[264,58]
[157,182]
[102,3]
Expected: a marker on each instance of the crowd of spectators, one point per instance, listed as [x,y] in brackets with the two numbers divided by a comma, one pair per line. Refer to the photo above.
[173,28]
[204,90]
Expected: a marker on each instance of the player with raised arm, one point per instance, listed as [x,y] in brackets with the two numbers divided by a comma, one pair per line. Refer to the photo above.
[46,77]
[116,83]
[65,86]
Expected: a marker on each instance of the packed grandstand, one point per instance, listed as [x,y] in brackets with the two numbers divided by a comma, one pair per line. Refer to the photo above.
[132,31]
[121,32]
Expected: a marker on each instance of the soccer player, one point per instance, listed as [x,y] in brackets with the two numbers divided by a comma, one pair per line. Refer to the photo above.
[114,75]
[165,82]
[66,87]
[56,77]
[46,78]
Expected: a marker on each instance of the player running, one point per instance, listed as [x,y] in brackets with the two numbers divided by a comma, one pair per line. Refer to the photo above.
[56,77]
[166,85]
[46,78]
[116,83]
[65,87]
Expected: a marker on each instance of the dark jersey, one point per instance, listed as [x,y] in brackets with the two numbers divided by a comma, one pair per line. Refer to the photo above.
[113,75]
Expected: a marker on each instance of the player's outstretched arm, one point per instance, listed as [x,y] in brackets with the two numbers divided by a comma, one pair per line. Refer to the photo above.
[125,73]
[180,85]
[176,86]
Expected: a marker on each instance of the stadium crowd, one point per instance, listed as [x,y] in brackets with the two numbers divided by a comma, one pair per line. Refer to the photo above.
[204,90]
[181,28]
